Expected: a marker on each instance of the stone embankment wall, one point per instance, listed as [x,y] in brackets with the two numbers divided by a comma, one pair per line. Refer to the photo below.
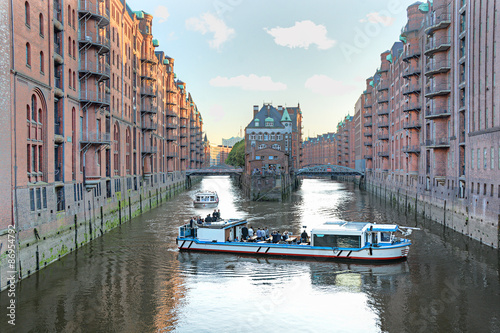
[460,215]
[268,187]
[45,238]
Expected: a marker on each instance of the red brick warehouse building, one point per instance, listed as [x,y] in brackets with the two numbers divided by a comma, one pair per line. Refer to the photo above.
[98,122]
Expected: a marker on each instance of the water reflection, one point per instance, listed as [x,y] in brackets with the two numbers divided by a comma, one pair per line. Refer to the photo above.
[133,279]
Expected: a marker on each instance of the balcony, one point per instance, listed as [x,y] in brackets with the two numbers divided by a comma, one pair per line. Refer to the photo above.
[414,52]
[171,137]
[383,112]
[383,137]
[441,89]
[382,124]
[411,88]
[171,125]
[368,157]
[148,150]
[94,97]
[91,38]
[101,70]
[437,113]
[172,155]
[367,115]
[437,44]
[58,53]
[148,91]
[383,154]
[368,144]
[411,125]
[437,22]
[367,106]
[409,107]
[367,134]
[411,70]
[382,87]
[438,143]
[169,113]
[437,67]
[95,138]
[148,59]
[148,108]
[383,100]
[148,125]
[95,10]
[415,149]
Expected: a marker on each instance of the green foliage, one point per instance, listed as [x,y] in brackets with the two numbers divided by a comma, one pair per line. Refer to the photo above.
[236,156]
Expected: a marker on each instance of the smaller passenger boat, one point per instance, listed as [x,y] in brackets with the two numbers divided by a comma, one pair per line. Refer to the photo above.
[206,199]
[339,240]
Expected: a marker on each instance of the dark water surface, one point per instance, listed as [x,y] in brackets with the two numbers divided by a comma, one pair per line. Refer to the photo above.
[133,279]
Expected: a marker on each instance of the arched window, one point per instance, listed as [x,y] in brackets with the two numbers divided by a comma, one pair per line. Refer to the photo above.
[33,107]
[28,54]
[74,49]
[41,24]
[27,13]
[74,81]
[69,78]
[69,15]
[74,20]
[41,62]
[128,148]
[35,136]
[69,46]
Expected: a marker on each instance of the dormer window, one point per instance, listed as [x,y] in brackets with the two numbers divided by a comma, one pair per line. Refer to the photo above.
[256,122]
[269,123]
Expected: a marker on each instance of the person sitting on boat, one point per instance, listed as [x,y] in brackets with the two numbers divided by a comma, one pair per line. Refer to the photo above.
[244,233]
[303,236]
[266,232]
[236,239]
[208,218]
[284,237]
[214,215]
[276,237]
[218,214]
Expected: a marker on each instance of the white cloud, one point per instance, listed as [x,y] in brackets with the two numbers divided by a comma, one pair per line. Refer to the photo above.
[376,17]
[251,82]
[161,12]
[209,23]
[302,34]
[326,86]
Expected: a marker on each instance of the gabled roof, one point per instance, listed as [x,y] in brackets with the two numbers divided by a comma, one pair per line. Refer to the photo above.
[267,111]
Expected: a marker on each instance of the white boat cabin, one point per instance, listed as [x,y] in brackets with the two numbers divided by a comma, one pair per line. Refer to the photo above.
[220,231]
[206,197]
[342,234]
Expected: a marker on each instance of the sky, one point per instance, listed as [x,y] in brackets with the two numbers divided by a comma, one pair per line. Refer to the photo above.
[234,54]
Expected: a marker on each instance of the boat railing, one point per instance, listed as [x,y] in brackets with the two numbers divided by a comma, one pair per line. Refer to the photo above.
[186,231]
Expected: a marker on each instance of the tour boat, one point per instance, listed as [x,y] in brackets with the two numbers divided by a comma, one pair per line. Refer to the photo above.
[207,199]
[339,240]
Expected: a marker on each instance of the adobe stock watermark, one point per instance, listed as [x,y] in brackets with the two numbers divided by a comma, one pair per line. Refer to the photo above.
[372,28]
[11,264]
[225,6]
[437,306]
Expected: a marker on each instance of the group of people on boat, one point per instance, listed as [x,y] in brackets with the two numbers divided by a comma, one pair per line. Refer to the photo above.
[248,234]
[209,218]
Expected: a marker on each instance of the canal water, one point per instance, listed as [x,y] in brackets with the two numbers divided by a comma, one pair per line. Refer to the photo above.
[133,279]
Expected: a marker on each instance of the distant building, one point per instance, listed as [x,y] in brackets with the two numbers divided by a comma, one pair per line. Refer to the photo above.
[273,138]
[232,141]
[218,154]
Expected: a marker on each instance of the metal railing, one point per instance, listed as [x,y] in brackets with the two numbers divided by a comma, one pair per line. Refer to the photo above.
[438,66]
[148,91]
[437,112]
[411,124]
[383,153]
[149,150]
[411,88]
[438,142]
[94,96]
[95,137]
[85,36]
[57,11]
[95,67]
[93,8]
[411,149]
[438,89]
[437,43]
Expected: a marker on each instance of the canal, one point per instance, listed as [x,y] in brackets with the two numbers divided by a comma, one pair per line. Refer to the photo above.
[133,279]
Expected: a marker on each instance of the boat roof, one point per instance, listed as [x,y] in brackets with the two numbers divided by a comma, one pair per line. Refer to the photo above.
[352,228]
[224,224]
[206,193]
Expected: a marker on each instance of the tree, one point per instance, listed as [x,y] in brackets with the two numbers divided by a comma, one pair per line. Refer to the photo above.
[236,156]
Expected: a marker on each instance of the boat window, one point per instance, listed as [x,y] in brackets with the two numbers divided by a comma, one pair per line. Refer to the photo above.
[337,241]
[385,236]
[212,198]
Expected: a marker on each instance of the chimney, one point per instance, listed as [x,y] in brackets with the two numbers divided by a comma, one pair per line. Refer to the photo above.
[255,110]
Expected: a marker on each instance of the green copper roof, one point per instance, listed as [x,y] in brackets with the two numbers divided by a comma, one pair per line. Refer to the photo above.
[424,8]
[166,62]
[402,38]
[286,116]
[139,14]
[389,58]
[156,43]
[269,119]
[371,83]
